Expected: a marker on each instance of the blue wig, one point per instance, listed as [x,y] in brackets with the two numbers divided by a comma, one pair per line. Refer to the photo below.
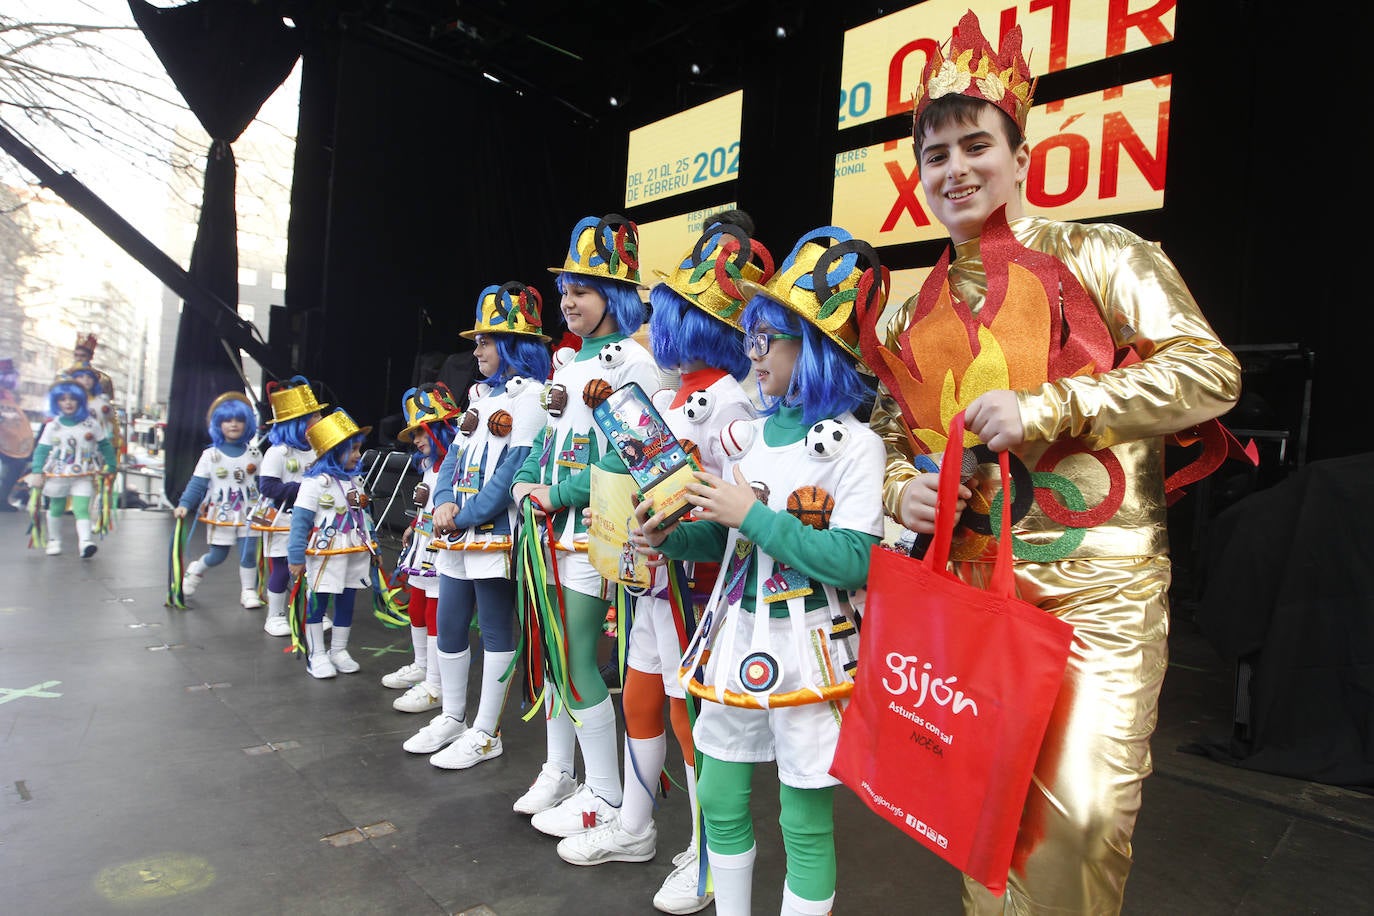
[622,299]
[233,409]
[680,332]
[77,371]
[291,433]
[522,356]
[332,461]
[825,382]
[75,390]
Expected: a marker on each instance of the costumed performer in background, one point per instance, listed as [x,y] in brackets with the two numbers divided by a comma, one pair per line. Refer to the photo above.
[224,489]
[332,540]
[476,516]
[289,454]
[430,411]
[72,453]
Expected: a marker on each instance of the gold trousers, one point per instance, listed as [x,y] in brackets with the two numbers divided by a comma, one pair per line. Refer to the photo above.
[1073,847]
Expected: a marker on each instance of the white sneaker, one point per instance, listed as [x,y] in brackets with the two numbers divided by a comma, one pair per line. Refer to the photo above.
[54,547]
[576,814]
[190,580]
[679,891]
[405,677]
[343,661]
[434,736]
[469,750]
[277,626]
[550,788]
[419,698]
[249,599]
[320,666]
[608,843]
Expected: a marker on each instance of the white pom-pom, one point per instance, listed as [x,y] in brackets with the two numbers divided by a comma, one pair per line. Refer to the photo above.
[477,391]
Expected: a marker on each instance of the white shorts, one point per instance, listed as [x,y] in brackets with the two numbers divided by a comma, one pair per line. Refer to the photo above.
[801,738]
[576,572]
[274,542]
[471,564]
[68,486]
[653,646]
[226,535]
[332,574]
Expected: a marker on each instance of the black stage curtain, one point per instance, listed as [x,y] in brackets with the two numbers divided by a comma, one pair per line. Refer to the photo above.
[225,57]
[1291,594]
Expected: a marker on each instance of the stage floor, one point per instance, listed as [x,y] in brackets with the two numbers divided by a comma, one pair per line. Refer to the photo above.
[163,761]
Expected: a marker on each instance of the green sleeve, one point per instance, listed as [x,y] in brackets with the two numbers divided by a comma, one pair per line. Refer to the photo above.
[40,458]
[108,451]
[835,556]
[576,490]
[529,471]
[701,542]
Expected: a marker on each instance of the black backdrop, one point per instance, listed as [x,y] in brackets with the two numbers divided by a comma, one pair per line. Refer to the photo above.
[418,183]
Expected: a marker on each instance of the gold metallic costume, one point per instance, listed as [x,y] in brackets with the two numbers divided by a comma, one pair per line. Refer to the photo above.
[1105,570]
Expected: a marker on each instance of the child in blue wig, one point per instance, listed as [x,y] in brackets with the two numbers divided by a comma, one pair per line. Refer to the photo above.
[224,488]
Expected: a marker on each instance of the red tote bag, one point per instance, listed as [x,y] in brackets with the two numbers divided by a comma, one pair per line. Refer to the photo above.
[953,693]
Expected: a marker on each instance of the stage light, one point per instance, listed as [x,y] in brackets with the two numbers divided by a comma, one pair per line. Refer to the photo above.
[695,69]
[494,79]
[780,32]
[615,102]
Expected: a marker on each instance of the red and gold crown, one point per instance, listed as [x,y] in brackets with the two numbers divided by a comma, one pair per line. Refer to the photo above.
[968,65]
[85,342]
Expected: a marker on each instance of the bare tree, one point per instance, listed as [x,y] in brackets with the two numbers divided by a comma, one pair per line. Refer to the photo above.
[86,86]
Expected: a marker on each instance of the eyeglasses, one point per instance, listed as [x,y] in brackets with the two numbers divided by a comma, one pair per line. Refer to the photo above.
[761,342]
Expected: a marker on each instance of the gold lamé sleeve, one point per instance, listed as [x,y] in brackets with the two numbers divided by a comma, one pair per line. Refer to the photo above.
[886,421]
[1185,375]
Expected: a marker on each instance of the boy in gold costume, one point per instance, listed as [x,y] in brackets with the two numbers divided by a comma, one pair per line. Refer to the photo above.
[1078,349]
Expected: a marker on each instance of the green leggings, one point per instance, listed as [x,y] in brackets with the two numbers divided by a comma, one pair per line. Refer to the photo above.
[81,507]
[586,615]
[807,819]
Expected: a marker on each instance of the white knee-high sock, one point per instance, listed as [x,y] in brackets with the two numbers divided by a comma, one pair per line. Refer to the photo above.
[276,604]
[643,762]
[338,638]
[792,905]
[695,844]
[83,530]
[248,578]
[419,640]
[433,676]
[596,737]
[453,667]
[561,735]
[733,876]
[494,664]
